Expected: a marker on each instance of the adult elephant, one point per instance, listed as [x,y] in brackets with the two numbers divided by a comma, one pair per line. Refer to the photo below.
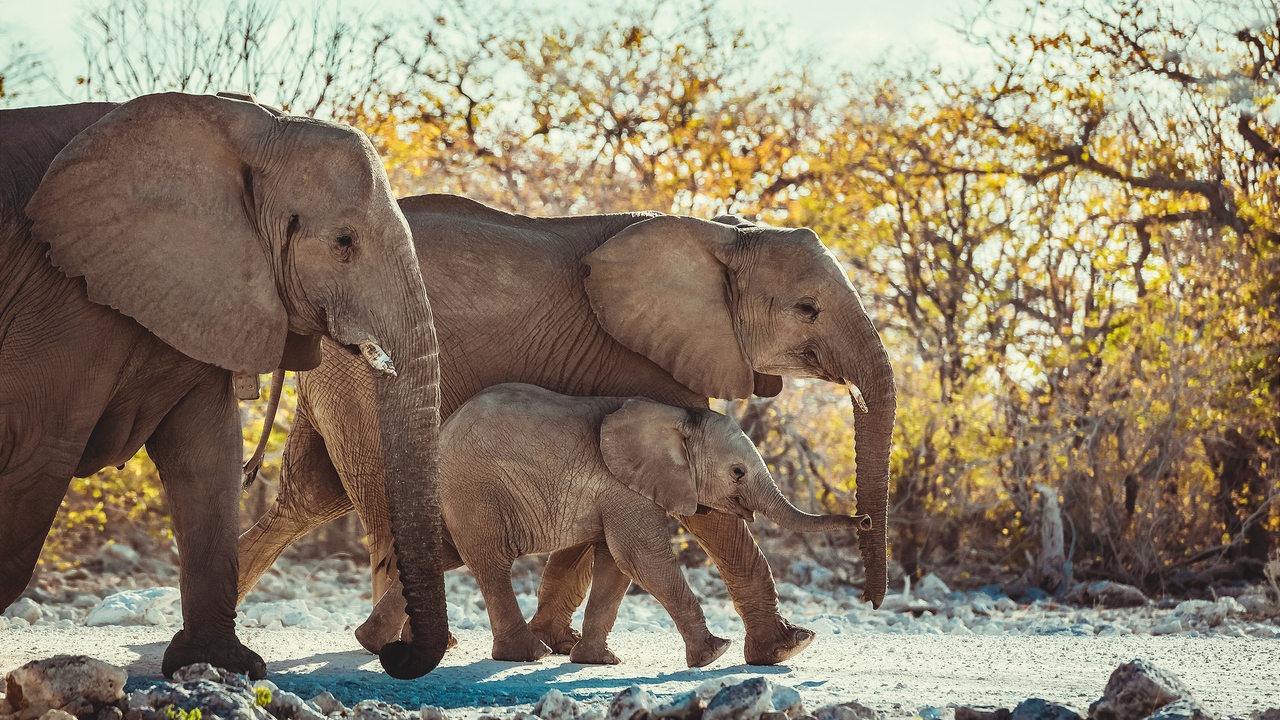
[152,250]
[639,304]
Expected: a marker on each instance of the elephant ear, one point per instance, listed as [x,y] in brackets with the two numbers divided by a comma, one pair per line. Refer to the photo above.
[154,205]
[643,445]
[660,288]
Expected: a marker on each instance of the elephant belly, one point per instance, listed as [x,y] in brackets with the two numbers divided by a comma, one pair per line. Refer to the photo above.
[55,347]
[151,379]
[83,386]
[564,542]
[519,525]
[559,531]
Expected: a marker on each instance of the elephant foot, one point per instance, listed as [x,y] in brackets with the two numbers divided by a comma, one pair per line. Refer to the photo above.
[593,653]
[373,634]
[378,631]
[226,652]
[522,648]
[781,642]
[562,640]
[704,653]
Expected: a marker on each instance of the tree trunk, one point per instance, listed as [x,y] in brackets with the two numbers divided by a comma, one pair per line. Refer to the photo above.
[1242,491]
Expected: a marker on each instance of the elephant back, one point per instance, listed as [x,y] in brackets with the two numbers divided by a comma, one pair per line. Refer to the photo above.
[505,417]
[29,140]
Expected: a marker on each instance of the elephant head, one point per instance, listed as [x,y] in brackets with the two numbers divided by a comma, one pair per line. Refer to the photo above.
[224,228]
[681,291]
[686,460]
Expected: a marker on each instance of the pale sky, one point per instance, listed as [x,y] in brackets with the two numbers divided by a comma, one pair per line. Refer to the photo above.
[849,32]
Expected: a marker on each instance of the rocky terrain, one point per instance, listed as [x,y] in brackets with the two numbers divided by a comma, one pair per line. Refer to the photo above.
[929,652]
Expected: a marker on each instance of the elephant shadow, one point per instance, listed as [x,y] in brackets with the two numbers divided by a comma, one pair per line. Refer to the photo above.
[145,668]
[549,673]
[355,675]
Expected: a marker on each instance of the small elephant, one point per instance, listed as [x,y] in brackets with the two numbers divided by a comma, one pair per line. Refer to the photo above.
[527,470]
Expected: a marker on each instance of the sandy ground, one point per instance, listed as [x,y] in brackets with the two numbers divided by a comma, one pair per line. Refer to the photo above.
[896,673]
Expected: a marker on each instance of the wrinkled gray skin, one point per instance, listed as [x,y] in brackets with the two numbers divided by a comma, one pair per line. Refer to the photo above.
[526,470]
[150,250]
[666,307]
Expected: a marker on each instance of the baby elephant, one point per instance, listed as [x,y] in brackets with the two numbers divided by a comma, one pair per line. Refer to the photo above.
[525,470]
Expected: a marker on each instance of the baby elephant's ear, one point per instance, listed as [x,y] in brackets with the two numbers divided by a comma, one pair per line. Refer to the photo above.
[643,444]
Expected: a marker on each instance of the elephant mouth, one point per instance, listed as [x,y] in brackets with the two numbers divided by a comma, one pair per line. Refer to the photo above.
[732,506]
[735,506]
[803,363]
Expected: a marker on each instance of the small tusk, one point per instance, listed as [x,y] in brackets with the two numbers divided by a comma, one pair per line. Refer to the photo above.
[377,358]
[856,396]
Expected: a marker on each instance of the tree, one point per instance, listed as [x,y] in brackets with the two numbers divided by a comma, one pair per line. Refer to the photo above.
[21,70]
[1173,110]
[1073,257]
[318,62]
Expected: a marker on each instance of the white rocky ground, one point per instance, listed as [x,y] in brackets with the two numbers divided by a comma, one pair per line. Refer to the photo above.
[923,652]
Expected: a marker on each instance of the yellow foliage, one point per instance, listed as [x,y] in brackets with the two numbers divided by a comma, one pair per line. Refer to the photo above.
[1074,262]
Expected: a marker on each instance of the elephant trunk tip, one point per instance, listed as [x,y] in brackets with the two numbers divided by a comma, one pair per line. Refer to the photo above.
[874,598]
[403,661]
[862,522]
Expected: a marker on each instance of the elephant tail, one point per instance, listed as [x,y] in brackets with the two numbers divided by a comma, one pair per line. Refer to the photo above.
[254,463]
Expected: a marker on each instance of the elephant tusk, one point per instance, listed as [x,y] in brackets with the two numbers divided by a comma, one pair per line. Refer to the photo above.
[855,395]
[377,358]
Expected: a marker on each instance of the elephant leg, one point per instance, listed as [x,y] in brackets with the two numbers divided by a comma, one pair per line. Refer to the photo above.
[770,638]
[388,620]
[565,578]
[25,518]
[608,586]
[338,399]
[310,495]
[196,449]
[512,639]
[644,553]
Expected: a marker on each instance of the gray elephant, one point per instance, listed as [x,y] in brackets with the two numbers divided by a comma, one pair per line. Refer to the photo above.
[151,250]
[526,470]
[671,308]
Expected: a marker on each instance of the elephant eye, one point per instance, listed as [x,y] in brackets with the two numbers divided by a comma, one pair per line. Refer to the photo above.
[808,311]
[739,472]
[344,247]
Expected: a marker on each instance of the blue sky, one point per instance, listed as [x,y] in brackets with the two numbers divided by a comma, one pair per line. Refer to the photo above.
[850,32]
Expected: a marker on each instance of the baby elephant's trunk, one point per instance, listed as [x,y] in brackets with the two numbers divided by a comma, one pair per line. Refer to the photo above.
[777,508]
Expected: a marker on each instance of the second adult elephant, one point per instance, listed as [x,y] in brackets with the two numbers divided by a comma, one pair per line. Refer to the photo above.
[671,308]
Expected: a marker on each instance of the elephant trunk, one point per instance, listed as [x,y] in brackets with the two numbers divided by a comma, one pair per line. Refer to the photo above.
[409,419]
[770,502]
[865,363]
